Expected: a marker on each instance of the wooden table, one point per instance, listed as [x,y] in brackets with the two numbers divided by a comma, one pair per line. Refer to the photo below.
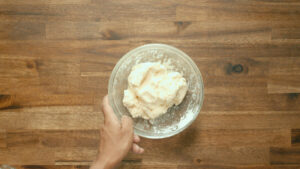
[56,57]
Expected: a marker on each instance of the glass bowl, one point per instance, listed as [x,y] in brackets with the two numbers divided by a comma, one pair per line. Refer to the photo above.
[178,117]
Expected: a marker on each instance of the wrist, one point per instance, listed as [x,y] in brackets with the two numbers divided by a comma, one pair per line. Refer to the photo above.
[102,164]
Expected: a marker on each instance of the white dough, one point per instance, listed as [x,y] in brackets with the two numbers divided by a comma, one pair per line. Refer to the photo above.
[152,90]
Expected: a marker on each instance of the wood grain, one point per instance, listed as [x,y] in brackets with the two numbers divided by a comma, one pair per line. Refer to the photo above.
[90,138]
[204,155]
[54,117]
[284,84]
[248,120]
[22,30]
[221,10]
[6,101]
[86,84]
[75,155]
[92,49]
[52,138]
[252,101]
[283,68]
[240,167]
[137,10]
[24,155]
[224,31]
[286,33]
[285,155]
[82,30]
[295,137]
[2,139]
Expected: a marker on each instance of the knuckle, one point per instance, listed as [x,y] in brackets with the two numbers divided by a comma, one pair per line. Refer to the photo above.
[104,107]
[128,129]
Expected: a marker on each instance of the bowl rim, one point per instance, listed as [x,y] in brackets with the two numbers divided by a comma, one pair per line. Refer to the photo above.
[158,45]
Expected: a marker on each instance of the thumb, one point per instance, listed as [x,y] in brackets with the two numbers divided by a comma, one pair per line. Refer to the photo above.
[109,115]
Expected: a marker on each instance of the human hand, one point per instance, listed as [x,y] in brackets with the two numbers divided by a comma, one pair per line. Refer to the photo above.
[116,139]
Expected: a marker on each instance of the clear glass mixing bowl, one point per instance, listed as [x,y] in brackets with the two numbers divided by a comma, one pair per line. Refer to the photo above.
[178,117]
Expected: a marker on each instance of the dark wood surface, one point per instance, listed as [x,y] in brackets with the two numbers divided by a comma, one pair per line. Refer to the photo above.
[56,57]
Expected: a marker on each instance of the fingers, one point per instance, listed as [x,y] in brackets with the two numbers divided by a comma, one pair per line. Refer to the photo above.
[109,115]
[137,149]
[136,138]
[127,124]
